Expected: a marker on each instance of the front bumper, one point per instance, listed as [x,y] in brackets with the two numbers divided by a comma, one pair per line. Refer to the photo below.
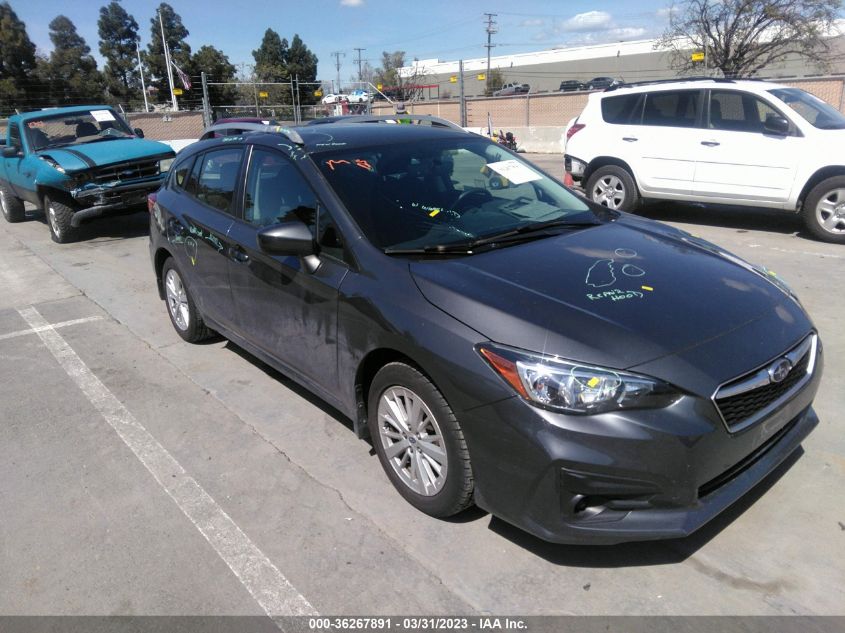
[624,476]
[97,201]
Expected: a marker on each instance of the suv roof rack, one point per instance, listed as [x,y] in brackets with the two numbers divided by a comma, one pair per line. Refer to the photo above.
[391,118]
[722,80]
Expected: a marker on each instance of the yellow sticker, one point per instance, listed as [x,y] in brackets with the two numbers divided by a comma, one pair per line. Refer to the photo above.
[649,288]
[772,273]
[592,382]
[433,213]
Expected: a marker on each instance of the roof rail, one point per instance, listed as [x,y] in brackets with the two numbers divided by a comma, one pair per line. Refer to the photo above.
[392,118]
[724,80]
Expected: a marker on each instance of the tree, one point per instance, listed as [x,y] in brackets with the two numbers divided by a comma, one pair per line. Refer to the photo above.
[271,66]
[71,71]
[217,67]
[495,80]
[740,37]
[400,86]
[118,37]
[301,64]
[17,61]
[180,50]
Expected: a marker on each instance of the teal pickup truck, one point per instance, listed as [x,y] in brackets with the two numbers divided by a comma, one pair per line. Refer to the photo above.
[77,163]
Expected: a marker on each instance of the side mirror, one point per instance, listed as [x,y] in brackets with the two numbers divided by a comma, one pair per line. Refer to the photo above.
[286,238]
[776,124]
[139,132]
[11,152]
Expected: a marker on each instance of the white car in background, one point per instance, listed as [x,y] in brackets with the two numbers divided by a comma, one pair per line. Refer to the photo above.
[333,98]
[721,141]
[359,96]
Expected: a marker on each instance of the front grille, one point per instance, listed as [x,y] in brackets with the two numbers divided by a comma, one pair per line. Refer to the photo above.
[126,171]
[748,399]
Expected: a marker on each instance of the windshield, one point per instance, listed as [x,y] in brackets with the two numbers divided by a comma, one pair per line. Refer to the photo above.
[79,127]
[445,192]
[812,109]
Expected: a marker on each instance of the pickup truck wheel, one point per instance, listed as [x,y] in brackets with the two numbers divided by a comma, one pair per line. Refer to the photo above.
[12,206]
[58,219]
[824,210]
[613,187]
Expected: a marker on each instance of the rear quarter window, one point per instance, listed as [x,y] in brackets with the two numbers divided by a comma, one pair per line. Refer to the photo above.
[622,109]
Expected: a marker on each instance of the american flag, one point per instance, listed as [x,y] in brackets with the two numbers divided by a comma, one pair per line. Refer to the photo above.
[186,81]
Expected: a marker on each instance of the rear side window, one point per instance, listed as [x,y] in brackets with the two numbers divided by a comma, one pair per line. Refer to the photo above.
[179,173]
[217,177]
[672,108]
[622,109]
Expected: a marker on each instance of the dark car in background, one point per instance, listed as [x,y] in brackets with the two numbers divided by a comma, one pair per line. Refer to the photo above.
[585,374]
[571,85]
[600,83]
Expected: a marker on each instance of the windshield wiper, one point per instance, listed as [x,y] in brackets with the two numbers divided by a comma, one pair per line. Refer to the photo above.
[521,234]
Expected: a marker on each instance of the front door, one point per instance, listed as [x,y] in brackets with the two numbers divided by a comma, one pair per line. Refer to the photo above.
[285,308]
[21,176]
[737,159]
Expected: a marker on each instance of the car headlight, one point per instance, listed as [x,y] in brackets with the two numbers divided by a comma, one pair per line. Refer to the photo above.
[562,385]
[164,165]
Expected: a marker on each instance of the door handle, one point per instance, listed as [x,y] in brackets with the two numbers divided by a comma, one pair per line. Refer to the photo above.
[630,139]
[710,143]
[239,254]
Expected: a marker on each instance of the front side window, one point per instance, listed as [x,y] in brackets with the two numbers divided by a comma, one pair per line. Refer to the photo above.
[672,108]
[445,192]
[216,174]
[277,192]
[816,112]
[738,111]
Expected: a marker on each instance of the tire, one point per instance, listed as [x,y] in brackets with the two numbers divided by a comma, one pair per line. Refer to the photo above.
[181,308]
[399,389]
[59,217]
[12,206]
[824,210]
[613,187]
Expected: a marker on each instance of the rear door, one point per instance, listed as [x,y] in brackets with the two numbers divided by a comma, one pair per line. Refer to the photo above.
[737,159]
[666,141]
[283,307]
[201,219]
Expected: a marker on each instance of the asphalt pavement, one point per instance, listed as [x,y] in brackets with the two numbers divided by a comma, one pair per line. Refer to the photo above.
[143,475]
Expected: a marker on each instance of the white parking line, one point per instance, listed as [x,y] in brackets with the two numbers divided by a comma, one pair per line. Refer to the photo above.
[54,325]
[256,572]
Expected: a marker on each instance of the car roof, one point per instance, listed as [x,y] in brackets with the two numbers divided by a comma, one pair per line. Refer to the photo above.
[344,133]
[748,85]
[37,114]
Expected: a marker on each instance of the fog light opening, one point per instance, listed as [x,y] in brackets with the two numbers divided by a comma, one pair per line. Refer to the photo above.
[587,505]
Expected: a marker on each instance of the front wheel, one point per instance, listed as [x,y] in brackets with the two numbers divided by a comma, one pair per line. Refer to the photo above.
[59,218]
[824,210]
[613,187]
[418,441]
[12,206]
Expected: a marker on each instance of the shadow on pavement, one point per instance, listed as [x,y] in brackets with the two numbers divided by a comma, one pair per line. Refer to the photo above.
[741,218]
[106,229]
[644,553]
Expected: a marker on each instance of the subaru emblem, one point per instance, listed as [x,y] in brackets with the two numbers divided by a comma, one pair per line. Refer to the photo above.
[779,370]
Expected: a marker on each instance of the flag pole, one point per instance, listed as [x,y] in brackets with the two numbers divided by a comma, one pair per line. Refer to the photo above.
[167,63]
[141,69]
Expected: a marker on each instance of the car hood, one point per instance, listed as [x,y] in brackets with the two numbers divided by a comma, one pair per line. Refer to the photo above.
[101,153]
[619,295]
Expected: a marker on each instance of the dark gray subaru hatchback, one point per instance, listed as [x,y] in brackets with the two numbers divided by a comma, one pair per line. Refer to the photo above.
[587,375]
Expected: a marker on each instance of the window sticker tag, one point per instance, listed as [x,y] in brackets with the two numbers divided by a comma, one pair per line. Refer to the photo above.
[514,171]
[102,115]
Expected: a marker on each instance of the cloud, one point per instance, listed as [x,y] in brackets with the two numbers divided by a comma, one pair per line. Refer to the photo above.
[533,22]
[589,21]
[666,12]
[351,3]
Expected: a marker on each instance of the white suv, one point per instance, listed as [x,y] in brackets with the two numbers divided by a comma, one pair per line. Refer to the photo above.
[720,141]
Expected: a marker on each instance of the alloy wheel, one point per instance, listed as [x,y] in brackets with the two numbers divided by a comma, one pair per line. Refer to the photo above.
[177,299]
[412,440]
[830,212]
[54,221]
[609,191]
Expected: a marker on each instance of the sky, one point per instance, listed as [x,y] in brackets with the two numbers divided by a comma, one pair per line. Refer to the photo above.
[424,29]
